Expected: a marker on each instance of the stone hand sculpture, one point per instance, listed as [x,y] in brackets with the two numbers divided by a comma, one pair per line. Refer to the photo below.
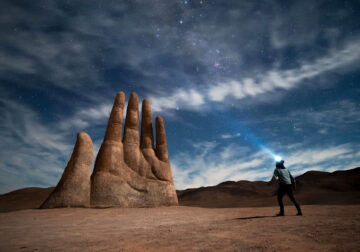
[73,189]
[129,172]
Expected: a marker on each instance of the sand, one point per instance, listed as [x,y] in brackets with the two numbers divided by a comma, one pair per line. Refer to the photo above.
[322,228]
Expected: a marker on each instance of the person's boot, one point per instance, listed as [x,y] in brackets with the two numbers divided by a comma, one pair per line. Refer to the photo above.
[299,214]
[280,214]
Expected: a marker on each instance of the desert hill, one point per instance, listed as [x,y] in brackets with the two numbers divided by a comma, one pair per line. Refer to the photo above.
[313,187]
[26,198]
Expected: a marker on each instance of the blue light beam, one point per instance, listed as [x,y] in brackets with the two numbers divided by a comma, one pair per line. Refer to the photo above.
[236,126]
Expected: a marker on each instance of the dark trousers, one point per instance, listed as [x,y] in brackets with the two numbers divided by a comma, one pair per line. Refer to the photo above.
[286,189]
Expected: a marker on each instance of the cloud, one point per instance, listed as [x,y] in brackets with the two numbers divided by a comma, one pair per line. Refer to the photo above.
[188,100]
[22,123]
[230,136]
[333,115]
[285,79]
[317,155]
[232,150]
[97,115]
[290,28]
[344,156]
[90,116]
[194,99]
[32,154]
[327,118]
[208,165]
[87,117]
[85,47]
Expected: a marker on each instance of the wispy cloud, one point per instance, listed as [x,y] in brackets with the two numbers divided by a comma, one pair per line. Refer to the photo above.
[327,118]
[343,156]
[32,154]
[334,115]
[86,117]
[209,165]
[98,114]
[230,136]
[285,79]
[180,99]
[196,99]
[86,45]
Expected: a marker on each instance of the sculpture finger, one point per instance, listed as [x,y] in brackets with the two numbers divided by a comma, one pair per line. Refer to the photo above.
[73,189]
[147,135]
[131,131]
[161,145]
[113,131]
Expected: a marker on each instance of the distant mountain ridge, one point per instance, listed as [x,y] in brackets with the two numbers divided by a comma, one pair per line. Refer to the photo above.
[313,187]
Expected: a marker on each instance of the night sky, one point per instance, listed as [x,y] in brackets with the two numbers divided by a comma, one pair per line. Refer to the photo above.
[235,81]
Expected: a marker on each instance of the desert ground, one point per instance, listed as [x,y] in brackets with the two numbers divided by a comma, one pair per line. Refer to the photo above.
[322,228]
[231,216]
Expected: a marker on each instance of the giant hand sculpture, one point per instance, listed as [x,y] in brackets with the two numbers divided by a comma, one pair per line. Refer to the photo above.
[128,173]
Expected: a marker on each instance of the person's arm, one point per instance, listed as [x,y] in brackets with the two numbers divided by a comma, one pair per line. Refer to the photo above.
[275,175]
[290,175]
[293,182]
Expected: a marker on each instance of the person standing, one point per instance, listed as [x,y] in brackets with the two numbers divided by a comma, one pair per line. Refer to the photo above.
[286,183]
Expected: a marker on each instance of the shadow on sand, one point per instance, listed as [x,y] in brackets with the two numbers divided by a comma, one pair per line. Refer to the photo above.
[255,217]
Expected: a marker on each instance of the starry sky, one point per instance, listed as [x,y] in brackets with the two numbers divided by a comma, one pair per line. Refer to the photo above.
[235,81]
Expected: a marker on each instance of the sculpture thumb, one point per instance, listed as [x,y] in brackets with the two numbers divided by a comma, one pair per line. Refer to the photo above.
[73,189]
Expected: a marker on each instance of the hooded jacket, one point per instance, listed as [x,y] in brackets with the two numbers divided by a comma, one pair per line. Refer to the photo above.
[282,174]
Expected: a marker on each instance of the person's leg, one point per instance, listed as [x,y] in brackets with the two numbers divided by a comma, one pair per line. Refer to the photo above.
[289,192]
[280,195]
